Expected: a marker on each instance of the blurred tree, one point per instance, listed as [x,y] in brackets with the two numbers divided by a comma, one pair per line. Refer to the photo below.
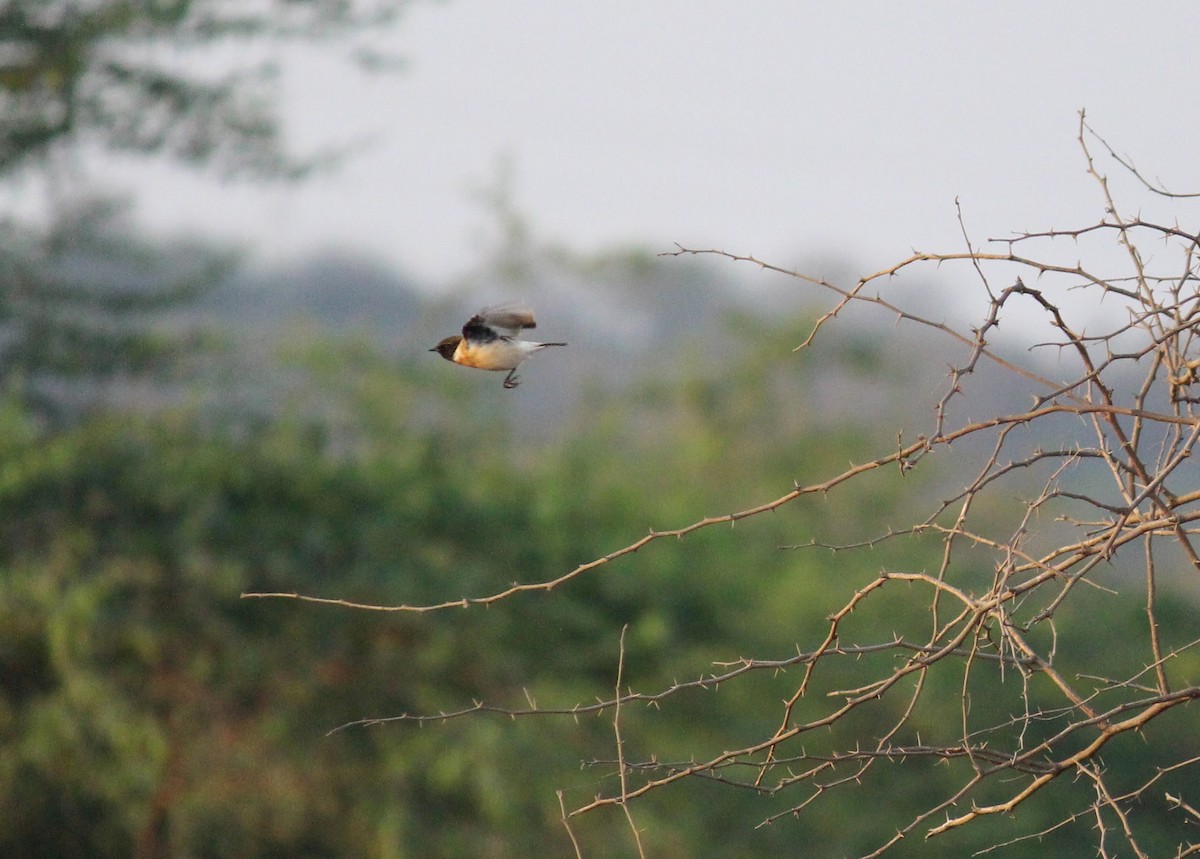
[88,310]
[127,75]
[82,298]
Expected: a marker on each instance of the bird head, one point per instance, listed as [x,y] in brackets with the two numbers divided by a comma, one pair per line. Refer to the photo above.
[447,346]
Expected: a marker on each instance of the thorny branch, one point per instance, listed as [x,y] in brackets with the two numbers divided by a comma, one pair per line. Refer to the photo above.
[1109,503]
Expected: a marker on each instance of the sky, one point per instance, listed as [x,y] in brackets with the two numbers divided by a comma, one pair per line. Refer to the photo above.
[789,130]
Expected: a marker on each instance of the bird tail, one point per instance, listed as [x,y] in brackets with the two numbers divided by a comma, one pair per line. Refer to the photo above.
[540,345]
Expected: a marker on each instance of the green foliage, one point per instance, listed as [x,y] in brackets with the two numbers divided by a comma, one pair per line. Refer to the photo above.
[145,703]
[147,708]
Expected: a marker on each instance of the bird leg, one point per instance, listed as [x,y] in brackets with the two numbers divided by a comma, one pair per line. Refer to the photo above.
[510,381]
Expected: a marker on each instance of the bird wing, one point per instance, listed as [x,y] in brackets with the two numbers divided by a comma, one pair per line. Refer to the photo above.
[501,320]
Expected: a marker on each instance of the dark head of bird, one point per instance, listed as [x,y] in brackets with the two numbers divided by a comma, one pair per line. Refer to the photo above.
[446,347]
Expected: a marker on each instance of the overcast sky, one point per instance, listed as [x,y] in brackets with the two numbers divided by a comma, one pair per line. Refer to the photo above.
[785,129]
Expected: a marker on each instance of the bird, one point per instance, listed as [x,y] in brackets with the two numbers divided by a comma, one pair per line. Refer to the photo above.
[489,341]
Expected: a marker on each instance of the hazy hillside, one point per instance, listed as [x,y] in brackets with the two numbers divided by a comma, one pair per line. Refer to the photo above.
[626,316]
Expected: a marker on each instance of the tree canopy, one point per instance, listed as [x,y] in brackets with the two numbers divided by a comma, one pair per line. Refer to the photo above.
[84,297]
[132,76]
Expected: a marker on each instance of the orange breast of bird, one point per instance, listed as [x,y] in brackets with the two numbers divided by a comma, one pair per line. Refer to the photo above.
[496,355]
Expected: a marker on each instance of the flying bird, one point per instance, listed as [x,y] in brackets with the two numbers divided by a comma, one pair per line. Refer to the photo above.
[489,341]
